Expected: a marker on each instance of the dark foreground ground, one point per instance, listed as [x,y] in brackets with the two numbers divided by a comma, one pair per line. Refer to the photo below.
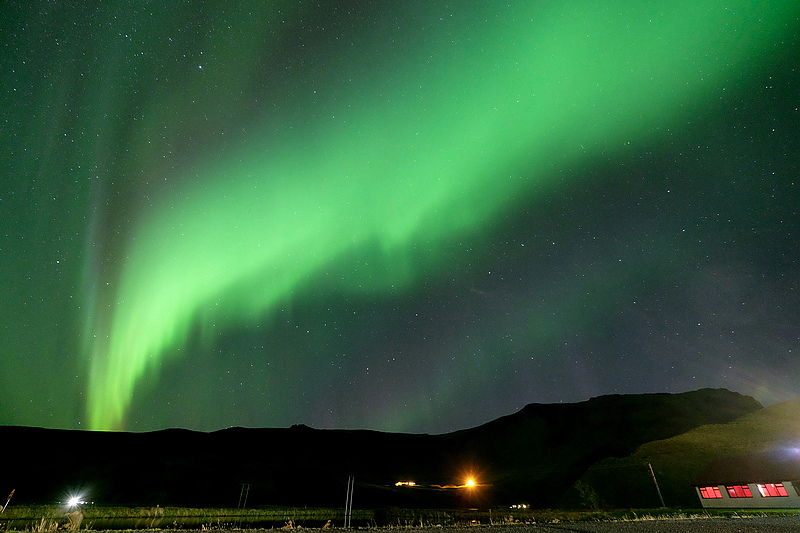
[781,524]
[761,524]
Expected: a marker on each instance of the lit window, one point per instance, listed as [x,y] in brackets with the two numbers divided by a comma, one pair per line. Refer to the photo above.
[739,491]
[710,492]
[768,490]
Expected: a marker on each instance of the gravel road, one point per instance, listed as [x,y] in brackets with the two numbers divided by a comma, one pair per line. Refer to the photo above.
[757,524]
[778,524]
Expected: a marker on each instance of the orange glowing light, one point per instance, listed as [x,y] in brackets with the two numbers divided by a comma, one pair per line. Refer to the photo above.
[470,483]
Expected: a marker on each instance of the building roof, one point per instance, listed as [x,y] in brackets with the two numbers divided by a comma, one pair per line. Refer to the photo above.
[768,467]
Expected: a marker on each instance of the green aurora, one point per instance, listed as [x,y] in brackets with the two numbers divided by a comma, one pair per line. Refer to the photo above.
[401,147]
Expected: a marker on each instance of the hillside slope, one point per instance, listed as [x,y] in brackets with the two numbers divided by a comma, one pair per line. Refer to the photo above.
[626,482]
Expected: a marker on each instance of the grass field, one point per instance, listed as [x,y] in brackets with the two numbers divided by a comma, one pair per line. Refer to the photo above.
[91,518]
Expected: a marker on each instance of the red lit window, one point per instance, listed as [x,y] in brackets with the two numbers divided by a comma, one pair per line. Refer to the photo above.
[769,490]
[739,491]
[710,492]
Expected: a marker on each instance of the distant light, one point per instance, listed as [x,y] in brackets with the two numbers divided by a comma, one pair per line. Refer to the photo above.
[470,483]
[75,501]
[404,484]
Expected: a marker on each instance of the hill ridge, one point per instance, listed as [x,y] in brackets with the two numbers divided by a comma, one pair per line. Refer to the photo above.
[680,458]
[533,455]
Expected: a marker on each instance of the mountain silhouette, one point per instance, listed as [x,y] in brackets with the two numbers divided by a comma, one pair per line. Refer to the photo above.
[533,456]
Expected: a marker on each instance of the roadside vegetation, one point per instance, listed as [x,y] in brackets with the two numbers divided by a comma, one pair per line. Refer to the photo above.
[91,518]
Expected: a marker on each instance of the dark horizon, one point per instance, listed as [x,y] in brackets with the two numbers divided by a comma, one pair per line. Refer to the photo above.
[300,425]
[534,455]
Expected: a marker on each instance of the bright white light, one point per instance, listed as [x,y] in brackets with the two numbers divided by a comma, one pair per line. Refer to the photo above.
[74,501]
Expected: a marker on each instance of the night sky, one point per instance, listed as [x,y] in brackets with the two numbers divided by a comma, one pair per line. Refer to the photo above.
[410,216]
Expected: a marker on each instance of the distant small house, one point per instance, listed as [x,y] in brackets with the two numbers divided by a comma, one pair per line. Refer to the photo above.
[765,480]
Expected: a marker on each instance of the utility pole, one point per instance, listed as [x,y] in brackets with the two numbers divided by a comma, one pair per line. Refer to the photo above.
[660,497]
[8,500]
[243,495]
[348,502]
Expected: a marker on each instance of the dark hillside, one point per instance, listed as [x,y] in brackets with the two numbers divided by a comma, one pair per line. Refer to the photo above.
[540,451]
[625,482]
[532,456]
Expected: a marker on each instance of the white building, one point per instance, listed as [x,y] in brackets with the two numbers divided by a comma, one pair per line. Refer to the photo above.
[765,480]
